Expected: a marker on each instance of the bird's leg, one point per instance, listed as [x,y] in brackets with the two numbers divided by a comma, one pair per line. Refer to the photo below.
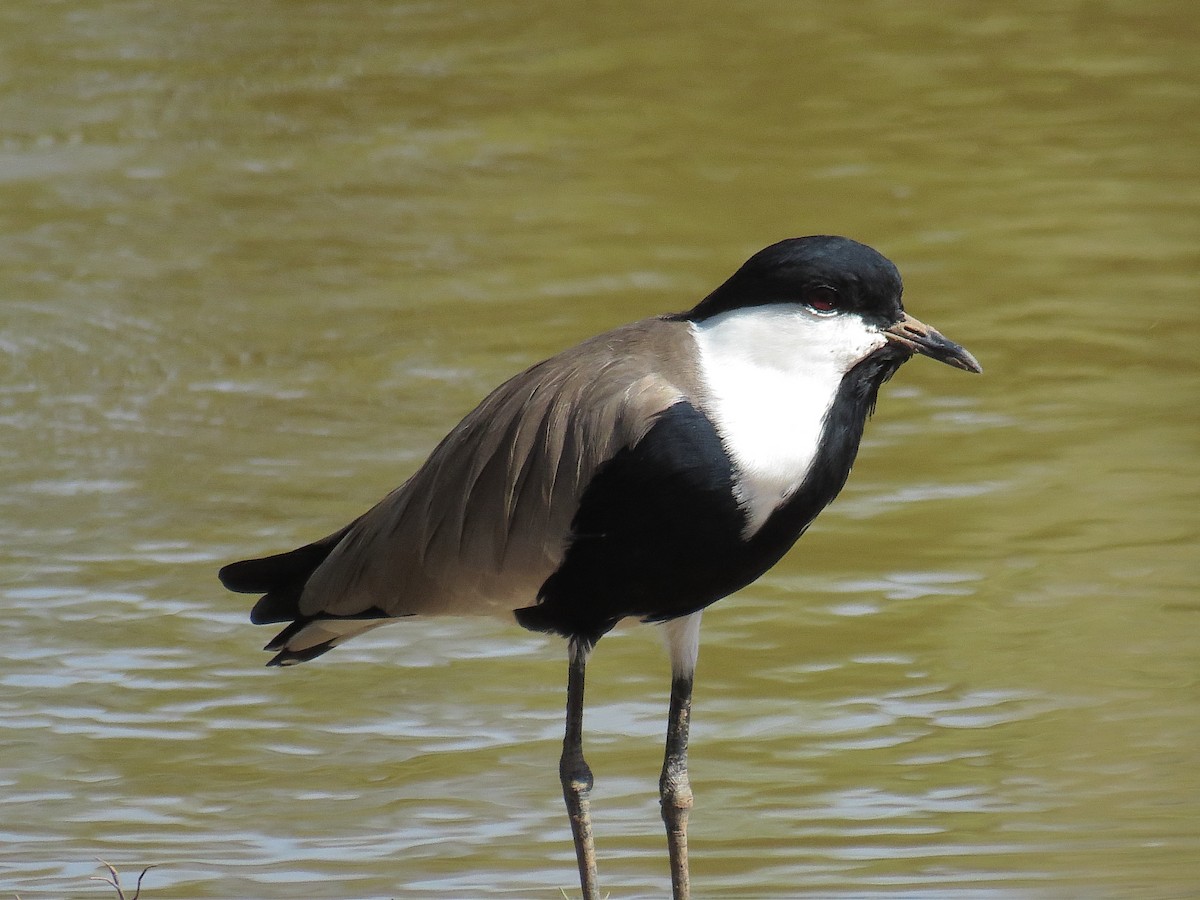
[576,776]
[674,789]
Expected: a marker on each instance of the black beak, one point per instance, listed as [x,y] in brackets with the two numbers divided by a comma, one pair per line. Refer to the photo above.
[917,337]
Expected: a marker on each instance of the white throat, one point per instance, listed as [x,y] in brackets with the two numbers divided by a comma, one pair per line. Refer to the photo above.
[772,373]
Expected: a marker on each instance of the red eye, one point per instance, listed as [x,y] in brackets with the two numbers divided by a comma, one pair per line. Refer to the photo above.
[821,299]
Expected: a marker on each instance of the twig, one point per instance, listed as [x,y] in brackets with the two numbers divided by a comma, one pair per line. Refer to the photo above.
[114,879]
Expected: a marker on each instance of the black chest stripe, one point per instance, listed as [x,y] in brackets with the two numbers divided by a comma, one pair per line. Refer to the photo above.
[659,534]
[654,536]
[827,475]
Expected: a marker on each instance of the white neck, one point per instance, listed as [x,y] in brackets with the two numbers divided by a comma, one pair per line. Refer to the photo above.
[772,373]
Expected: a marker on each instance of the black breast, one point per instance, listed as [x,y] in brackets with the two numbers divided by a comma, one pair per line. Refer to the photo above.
[659,534]
[655,534]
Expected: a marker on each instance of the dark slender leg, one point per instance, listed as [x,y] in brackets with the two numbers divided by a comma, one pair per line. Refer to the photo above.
[674,789]
[577,777]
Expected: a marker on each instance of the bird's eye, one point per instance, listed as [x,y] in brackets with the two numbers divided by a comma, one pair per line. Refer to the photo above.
[821,299]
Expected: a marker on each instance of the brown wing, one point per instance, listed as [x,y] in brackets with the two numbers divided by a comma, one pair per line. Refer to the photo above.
[485,520]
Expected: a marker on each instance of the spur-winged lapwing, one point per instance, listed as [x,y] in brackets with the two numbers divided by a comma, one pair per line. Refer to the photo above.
[645,473]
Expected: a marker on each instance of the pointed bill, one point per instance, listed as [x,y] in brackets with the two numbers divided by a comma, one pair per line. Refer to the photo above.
[917,337]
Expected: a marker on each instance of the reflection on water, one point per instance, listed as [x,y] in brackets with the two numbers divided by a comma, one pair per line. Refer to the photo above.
[255,266]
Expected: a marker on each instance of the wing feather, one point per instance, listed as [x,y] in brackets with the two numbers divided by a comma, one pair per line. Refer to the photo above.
[487,518]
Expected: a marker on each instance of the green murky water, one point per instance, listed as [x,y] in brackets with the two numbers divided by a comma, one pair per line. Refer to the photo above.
[256,258]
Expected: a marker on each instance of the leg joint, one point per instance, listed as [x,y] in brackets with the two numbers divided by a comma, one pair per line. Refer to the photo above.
[574,772]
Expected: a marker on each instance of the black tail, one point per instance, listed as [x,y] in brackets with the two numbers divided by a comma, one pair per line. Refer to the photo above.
[280,578]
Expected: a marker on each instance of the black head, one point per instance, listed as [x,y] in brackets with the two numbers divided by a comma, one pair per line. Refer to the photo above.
[823,271]
[833,276]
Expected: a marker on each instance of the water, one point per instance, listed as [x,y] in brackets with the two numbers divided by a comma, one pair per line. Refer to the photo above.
[258,258]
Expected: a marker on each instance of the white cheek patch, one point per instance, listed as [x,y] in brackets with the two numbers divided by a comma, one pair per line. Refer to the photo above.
[772,373]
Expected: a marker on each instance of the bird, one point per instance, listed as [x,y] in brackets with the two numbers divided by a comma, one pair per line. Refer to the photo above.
[644,474]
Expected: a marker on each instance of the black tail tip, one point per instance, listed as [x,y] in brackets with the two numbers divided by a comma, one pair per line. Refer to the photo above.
[287,657]
[242,577]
